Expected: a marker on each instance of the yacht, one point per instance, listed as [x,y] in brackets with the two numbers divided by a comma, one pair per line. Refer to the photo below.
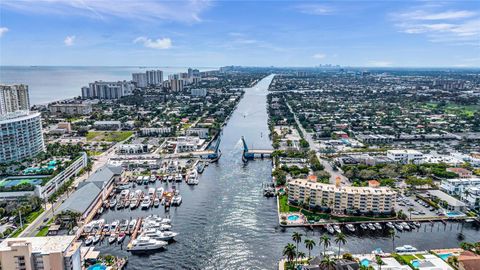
[406,248]
[133,203]
[113,202]
[159,235]
[330,229]
[200,167]
[170,178]
[337,229]
[146,202]
[156,225]
[177,200]
[120,205]
[363,226]
[112,238]
[121,237]
[371,226]
[124,194]
[153,178]
[377,226]
[151,192]
[398,226]
[146,243]
[106,227]
[178,178]
[114,225]
[192,178]
[350,227]
[131,225]
[160,192]
[390,225]
[123,225]
[89,241]
[405,226]
[156,202]
[95,239]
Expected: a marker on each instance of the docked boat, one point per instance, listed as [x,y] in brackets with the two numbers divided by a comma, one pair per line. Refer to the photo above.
[363,226]
[371,226]
[151,192]
[416,224]
[192,178]
[405,226]
[153,178]
[390,225]
[132,224]
[112,238]
[123,225]
[106,227]
[398,226]
[146,180]
[146,243]
[114,225]
[124,194]
[89,241]
[406,248]
[112,203]
[160,192]
[178,178]
[100,210]
[120,205]
[200,167]
[177,200]
[350,227]
[121,237]
[156,202]
[96,239]
[133,203]
[170,178]
[377,226]
[146,202]
[159,235]
[330,229]
[337,229]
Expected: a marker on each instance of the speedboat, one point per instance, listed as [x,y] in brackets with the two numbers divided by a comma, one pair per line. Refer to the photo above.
[192,178]
[151,192]
[178,178]
[371,226]
[89,241]
[200,167]
[123,225]
[398,226]
[390,225]
[156,202]
[170,178]
[350,227]
[156,225]
[337,229]
[177,200]
[114,225]
[132,224]
[377,226]
[100,210]
[146,243]
[121,237]
[113,202]
[146,202]
[153,178]
[159,235]
[112,238]
[95,239]
[330,229]
[106,227]
[363,226]
[133,203]
[406,248]
[160,192]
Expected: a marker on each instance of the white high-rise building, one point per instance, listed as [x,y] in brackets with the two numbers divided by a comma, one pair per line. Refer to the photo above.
[108,90]
[154,77]
[14,98]
[140,79]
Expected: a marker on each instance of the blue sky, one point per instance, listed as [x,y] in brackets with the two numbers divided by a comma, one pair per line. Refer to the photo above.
[255,33]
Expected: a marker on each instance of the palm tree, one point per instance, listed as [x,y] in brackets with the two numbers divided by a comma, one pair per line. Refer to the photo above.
[379,261]
[392,233]
[325,241]
[309,244]
[327,263]
[340,239]
[297,238]
[410,211]
[289,252]
[301,255]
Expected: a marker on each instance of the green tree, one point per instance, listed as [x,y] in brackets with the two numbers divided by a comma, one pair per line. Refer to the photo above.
[309,244]
[325,242]
[289,252]
[340,239]
[327,263]
[297,238]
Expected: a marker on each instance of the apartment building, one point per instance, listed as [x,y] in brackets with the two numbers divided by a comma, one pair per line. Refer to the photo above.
[39,253]
[108,90]
[338,198]
[140,79]
[70,108]
[14,98]
[154,77]
[405,156]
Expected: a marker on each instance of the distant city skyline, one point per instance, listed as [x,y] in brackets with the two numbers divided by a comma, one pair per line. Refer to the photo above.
[218,33]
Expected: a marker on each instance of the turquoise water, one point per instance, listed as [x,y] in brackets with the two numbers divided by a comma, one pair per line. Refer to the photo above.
[415,263]
[454,214]
[15,182]
[444,256]
[365,262]
[97,267]
[293,217]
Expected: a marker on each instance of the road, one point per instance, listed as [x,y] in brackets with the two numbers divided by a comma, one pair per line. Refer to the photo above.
[99,161]
[316,147]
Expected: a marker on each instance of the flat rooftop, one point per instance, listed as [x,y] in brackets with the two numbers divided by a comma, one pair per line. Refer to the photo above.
[43,245]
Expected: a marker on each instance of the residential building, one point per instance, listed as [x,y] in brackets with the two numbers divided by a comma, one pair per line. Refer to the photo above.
[14,98]
[155,131]
[177,85]
[107,125]
[107,90]
[132,149]
[70,108]
[446,201]
[462,172]
[405,156]
[154,77]
[341,198]
[39,253]
[202,133]
[140,79]
[457,186]
[468,261]
[202,92]
[20,136]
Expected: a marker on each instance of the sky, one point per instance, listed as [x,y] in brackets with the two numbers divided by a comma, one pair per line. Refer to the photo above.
[250,33]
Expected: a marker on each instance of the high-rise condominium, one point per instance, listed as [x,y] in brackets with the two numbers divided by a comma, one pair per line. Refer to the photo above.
[14,98]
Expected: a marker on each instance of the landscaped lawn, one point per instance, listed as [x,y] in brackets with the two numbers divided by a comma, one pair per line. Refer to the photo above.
[108,136]
[284,207]
[31,217]
[43,231]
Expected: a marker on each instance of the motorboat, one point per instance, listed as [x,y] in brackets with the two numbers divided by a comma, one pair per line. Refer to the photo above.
[177,200]
[156,202]
[123,225]
[139,180]
[114,225]
[178,178]
[124,194]
[132,224]
[113,202]
[106,227]
[112,238]
[89,241]
[371,226]
[146,180]
[146,202]
[159,235]
[151,192]
[156,225]
[350,227]
[121,237]
[158,219]
[406,248]
[377,226]
[153,178]
[390,225]
[405,226]
[160,192]
[133,203]
[96,239]
[363,226]
[200,167]
[337,229]
[398,226]
[416,224]
[100,210]
[120,205]
[170,178]
[330,229]
[146,243]
[192,178]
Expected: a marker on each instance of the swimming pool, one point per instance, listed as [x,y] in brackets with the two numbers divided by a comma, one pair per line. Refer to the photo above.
[444,256]
[97,267]
[293,217]
[365,262]
[454,214]
[415,263]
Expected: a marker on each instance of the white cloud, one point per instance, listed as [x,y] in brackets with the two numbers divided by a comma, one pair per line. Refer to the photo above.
[160,43]
[3,30]
[69,40]
[314,9]
[452,26]
[319,56]
[187,11]
[379,63]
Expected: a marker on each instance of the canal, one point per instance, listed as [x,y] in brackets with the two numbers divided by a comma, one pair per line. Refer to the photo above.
[226,223]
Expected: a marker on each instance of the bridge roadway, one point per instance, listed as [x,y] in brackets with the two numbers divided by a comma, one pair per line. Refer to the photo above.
[261,151]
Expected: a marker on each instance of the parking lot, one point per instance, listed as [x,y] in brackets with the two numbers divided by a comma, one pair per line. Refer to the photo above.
[420,208]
